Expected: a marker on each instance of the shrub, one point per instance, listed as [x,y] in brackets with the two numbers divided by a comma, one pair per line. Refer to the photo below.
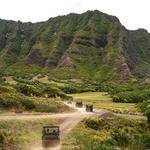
[7,101]
[28,104]
[7,89]
[132,96]
[15,101]
[6,140]
[143,105]
[54,92]
[93,123]
[35,88]
[121,137]
[69,89]
[45,108]
[27,89]
[147,141]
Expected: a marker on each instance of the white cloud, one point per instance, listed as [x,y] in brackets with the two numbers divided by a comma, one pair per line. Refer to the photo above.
[132,13]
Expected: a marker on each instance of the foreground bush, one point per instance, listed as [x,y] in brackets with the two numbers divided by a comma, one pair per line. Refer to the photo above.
[97,133]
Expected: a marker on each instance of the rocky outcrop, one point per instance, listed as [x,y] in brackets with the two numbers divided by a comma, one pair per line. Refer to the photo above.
[35,57]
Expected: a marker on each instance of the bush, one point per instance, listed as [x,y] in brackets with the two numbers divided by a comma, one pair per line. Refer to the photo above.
[69,89]
[7,101]
[15,101]
[6,140]
[118,133]
[132,96]
[35,88]
[121,138]
[147,141]
[45,108]
[93,123]
[143,105]
[7,89]
[54,92]
[28,90]
[77,88]
[28,104]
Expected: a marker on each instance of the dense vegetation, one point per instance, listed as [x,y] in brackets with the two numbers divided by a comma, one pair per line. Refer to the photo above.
[32,96]
[132,96]
[86,52]
[92,46]
[108,134]
[90,52]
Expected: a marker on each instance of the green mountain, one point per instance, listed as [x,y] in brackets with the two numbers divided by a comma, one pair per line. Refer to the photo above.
[92,45]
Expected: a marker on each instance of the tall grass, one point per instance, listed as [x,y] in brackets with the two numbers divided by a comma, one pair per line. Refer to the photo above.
[16,134]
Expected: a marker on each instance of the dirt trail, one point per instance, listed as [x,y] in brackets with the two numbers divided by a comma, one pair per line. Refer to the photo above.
[69,122]
[100,112]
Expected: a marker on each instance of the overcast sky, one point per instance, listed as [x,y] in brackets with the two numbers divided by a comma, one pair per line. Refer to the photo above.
[133,14]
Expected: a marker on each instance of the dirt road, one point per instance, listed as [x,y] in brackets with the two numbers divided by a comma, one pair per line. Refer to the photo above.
[69,121]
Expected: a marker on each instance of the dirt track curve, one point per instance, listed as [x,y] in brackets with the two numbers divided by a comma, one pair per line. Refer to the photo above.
[69,121]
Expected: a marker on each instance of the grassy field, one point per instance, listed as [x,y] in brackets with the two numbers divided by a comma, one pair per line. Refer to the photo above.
[108,134]
[18,134]
[103,101]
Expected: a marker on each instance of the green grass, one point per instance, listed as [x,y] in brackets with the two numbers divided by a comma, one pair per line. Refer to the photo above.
[102,100]
[42,79]
[97,133]
[18,134]
[10,80]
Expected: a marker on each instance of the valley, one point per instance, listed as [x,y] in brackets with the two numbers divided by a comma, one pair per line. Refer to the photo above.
[89,58]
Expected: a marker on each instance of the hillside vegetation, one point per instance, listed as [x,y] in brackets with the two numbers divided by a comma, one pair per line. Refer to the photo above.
[31,96]
[75,53]
[92,45]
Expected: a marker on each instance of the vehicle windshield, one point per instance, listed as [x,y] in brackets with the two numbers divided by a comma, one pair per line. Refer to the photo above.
[51,130]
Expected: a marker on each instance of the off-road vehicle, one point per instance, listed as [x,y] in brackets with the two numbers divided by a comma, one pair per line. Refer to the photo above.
[89,107]
[79,104]
[50,135]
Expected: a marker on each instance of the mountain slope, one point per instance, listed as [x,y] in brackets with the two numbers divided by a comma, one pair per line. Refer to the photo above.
[92,45]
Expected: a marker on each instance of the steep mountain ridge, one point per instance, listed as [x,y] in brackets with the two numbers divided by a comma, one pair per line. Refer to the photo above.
[92,45]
